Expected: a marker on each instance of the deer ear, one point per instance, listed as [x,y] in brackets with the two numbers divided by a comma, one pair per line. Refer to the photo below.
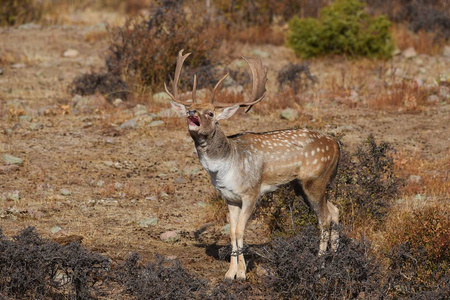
[179,108]
[227,112]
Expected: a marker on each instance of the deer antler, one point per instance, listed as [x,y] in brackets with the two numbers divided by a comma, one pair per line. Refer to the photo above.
[259,75]
[175,97]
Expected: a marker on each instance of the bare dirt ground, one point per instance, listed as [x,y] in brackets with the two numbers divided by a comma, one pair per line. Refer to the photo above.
[119,177]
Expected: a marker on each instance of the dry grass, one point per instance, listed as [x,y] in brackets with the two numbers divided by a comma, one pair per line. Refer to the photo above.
[429,43]
[434,174]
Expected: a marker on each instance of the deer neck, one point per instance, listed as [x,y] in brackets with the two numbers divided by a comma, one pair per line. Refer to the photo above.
[212,148]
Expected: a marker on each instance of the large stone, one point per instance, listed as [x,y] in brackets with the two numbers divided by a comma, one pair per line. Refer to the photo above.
[87,104]
[290,114]
[12,160]
[409,53]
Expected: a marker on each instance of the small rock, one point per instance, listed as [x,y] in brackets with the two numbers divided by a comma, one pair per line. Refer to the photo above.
[170,236]
[225,229]
[179,180]
[117,102]
[140,110]
[35,126]
[71,53]
[100,183]
[8,169]
[156,123]
[290,114]
[65,192]
[55,229]
[433,99]
[18,66]
[13,196]
[446,51]
[118,186]
[260,53]
[151,198]
[202,204]
[409,53]
[145,223]
[25,119]
[166,113]
[12,160]
[29,26]
[130,124]
[108,163]
[161,97]
[235,89]
[415,178]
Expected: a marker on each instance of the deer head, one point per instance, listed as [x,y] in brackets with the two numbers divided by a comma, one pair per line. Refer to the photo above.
[203,117]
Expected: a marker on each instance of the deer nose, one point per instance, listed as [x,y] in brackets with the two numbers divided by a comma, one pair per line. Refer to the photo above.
[191,113]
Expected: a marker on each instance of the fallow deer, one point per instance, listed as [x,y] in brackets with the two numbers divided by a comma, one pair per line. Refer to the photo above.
[245,166]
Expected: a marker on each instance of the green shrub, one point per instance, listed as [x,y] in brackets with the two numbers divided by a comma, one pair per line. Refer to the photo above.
[342,28]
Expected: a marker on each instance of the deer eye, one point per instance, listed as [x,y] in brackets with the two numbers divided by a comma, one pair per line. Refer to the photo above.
[211,114]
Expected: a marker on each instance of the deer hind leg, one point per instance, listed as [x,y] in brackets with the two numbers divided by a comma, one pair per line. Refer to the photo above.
[315,192]
[235,211]
[334,212]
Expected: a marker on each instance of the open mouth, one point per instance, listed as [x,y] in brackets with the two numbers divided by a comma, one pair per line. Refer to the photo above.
[194,121]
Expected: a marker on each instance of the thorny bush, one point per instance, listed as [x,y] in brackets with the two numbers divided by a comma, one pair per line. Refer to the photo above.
[419,250]
[365,185]
[36,268]
[160,279]
[297,76]
[296,271]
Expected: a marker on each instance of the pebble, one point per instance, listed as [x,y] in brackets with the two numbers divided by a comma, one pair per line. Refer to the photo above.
[117,102]
[13,196]
[12,160]
[145,223]
[170,236]
[156,123]
[108,163]
[179,180]
[65,192]
[130,124]
[226,229]
[289,114]
[55,229]
[35,126]
[71,53]
[409,53]
[8,169]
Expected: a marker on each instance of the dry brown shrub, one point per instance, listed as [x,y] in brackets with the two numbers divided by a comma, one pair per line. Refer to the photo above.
[417,245]
[423,42]
[434,174]
[406,96]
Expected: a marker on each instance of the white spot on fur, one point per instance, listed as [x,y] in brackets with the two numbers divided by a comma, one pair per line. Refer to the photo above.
[315,162]
[312,153]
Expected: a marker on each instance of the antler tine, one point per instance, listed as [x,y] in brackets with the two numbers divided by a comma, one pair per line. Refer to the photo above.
[218,84]
[259,75]
[180,60]
[194,90]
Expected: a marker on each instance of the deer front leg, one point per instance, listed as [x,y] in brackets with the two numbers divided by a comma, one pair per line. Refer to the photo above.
[235,211]
[247,208]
